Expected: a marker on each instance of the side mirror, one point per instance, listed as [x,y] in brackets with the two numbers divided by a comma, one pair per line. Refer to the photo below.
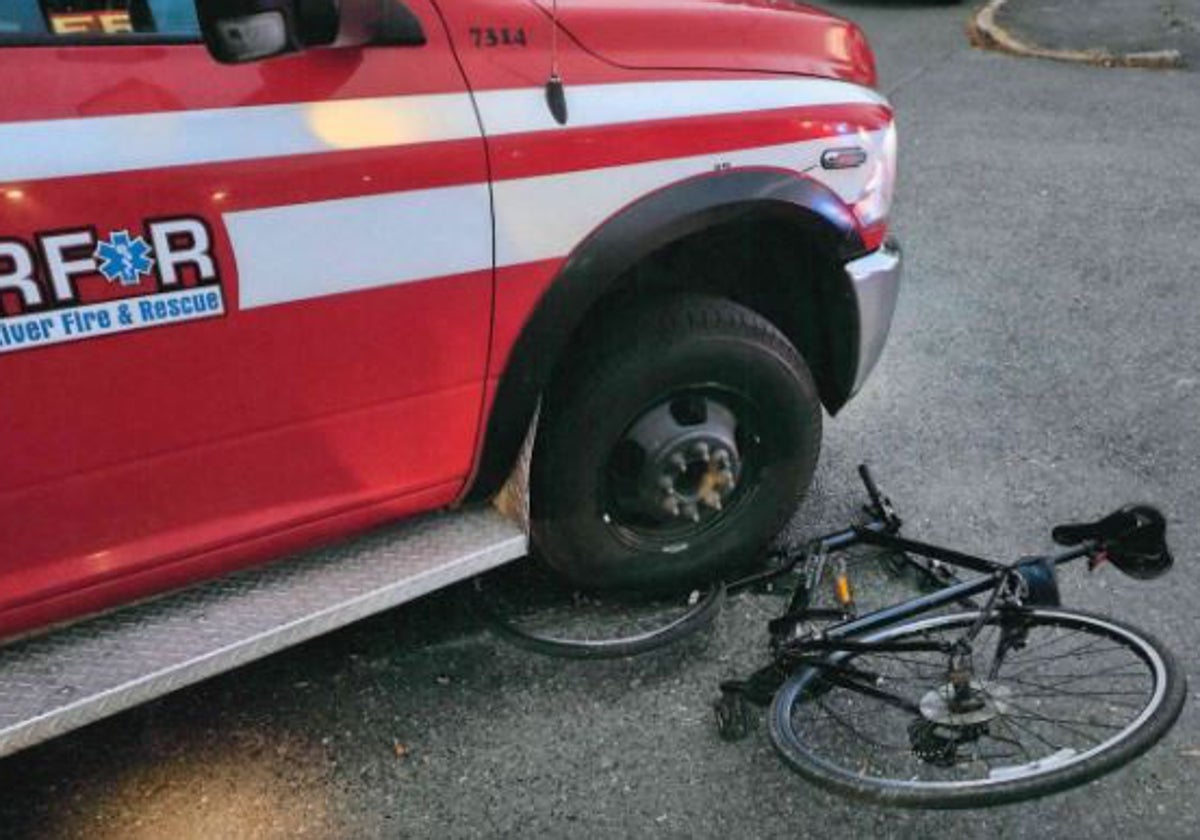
[236,31]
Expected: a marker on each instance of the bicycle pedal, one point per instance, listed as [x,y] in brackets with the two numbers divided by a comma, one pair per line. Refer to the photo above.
[735,718]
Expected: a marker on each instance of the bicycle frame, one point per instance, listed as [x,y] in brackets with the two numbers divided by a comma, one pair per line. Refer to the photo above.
[844,636]
[995,574]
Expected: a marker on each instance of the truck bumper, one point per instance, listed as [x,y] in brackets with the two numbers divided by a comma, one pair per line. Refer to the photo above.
[875,279]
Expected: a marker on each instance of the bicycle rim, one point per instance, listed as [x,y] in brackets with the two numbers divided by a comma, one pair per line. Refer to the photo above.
[534,608]
[1083,696]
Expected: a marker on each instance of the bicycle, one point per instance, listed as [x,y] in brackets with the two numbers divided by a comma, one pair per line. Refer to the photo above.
[914,706]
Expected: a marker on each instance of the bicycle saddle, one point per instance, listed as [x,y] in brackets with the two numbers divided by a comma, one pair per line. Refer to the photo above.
[1134,539]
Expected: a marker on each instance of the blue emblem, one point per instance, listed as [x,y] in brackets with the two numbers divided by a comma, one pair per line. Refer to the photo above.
[124,259]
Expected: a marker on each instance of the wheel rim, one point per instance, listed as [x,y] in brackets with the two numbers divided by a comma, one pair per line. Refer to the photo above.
[682,467]
[1052,707]
[537,609]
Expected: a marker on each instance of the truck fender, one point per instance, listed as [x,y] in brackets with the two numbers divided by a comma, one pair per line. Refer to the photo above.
[598,264]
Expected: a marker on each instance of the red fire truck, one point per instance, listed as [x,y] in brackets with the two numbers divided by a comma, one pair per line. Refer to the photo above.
[274,273]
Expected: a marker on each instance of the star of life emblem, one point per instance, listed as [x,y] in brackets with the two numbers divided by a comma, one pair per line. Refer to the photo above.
[124,259]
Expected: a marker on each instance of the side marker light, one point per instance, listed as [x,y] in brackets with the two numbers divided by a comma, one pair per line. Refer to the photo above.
[848,158]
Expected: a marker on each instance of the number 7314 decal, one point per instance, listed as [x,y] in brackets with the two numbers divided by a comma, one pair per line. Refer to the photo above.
[498,36]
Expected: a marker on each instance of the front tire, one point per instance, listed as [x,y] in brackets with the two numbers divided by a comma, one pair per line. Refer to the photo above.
[673,447]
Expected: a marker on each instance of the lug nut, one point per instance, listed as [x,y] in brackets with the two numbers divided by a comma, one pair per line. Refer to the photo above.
[721,458]
[666,483]
[671,505]
[679,462]
[691,512]
[701,450]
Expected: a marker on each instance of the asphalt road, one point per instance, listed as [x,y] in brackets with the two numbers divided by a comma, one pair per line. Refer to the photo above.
[1044,366]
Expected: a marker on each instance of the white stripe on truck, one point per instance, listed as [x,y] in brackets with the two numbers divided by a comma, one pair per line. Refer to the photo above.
[304,251]
[95,145]
[324,248]
[61,148]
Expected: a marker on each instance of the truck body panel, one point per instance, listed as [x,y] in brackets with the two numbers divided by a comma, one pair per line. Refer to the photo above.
[245,309]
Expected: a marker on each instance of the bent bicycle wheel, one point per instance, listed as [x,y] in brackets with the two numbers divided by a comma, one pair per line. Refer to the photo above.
[537,609]
[1083,696]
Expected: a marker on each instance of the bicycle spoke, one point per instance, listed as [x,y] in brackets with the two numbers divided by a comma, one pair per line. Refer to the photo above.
[1016,743]
[1067,679]
[1064,723]
[1009,701]
[909,665]
[822,703]
[1106,695]
[1013,724]
[838,720]
[1054,639]
[1071,654]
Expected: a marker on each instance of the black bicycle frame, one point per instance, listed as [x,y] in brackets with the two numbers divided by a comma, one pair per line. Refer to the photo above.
[882,534]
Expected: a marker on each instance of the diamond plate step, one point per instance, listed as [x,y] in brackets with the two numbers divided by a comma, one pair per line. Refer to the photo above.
[52,684]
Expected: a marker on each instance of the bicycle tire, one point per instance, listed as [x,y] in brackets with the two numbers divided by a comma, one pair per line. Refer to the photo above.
[561,621]
[916,781]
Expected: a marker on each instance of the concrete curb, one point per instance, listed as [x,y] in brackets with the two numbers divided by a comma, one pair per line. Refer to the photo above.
[986,33]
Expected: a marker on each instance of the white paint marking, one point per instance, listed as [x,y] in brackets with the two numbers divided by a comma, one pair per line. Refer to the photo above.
[329,247]
[305,251]
[94,145]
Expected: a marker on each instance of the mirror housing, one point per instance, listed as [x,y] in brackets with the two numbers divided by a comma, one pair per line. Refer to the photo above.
[237,31]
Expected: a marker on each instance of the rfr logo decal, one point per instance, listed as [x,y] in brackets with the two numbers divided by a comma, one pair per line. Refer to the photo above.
[74,284]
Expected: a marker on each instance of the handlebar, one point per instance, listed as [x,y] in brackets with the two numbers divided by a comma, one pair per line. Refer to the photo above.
[864,472]
[881,506]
